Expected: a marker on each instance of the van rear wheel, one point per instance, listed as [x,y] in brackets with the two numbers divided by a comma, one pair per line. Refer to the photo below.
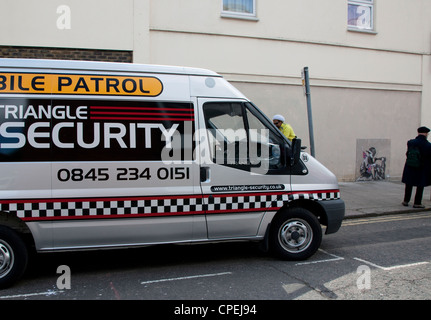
[13,257]
[295,234]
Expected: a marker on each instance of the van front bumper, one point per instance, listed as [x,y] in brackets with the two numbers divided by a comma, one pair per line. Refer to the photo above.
[335,210]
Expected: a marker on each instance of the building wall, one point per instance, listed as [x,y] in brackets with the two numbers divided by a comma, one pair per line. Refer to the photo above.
[94,24]
[366,88]
[342,118]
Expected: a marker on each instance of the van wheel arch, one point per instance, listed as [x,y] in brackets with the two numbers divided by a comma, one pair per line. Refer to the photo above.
[11,221]
[313,206]
[294,233]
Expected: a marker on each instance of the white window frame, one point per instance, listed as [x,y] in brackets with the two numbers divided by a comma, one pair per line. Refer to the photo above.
[238,14]
[369,21]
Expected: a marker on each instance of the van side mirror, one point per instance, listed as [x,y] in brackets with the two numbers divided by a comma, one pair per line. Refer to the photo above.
[296,151]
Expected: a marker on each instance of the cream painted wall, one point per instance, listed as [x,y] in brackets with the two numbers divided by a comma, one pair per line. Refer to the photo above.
[341,116]
[363,114]
[364,86]
[426,93]
[307,20]
[284,58]
[141,31]
[426,65]
[426,69]
[95,24]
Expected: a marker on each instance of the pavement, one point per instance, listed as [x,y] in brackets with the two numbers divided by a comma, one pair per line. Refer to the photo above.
[373,198]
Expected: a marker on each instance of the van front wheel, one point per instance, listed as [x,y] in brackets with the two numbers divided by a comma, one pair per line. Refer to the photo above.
[295,234]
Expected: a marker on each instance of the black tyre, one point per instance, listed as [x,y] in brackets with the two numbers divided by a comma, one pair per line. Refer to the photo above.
[295,234]
[13,257]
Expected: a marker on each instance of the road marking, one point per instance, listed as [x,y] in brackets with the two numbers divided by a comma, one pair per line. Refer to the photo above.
[188,277]
[25,295]
[353,222]
[324,260]
[301,291]
[393,267]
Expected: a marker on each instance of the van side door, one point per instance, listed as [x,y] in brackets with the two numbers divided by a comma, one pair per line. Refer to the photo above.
[124,176]
[242,166]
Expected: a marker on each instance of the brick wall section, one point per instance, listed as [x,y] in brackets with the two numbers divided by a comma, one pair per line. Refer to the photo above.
[65,54]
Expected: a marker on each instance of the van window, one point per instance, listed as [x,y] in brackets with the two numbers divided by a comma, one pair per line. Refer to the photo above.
[238,138]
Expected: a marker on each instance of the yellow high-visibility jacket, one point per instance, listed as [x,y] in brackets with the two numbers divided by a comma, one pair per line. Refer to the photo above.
[287,130]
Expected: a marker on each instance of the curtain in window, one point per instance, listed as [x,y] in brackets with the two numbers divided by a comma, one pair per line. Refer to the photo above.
[245,6]
[359,16]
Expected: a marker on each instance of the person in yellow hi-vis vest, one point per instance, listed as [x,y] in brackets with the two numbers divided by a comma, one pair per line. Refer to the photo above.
[285,128]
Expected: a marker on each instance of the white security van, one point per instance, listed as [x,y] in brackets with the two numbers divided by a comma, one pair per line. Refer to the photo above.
[102,155]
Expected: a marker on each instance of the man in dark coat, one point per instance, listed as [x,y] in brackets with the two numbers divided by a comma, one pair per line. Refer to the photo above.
[420,176]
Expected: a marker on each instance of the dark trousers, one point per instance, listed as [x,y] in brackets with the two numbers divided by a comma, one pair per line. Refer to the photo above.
[408,194]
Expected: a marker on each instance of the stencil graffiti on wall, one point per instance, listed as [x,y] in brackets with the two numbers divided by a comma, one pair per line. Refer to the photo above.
[371,161]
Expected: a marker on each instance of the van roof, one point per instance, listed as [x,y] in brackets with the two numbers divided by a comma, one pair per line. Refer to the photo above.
[102,66]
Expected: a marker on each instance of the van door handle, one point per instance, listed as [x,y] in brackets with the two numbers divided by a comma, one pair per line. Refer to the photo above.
[205,174]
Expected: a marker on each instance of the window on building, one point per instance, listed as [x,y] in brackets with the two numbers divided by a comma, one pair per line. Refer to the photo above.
[239,8]
[360,15]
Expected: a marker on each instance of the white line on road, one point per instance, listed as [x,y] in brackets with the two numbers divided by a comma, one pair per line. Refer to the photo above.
[188,277]
[324,260]
[25,295]
[393,267]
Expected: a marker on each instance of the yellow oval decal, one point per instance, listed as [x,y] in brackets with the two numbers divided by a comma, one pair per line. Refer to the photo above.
[35,83]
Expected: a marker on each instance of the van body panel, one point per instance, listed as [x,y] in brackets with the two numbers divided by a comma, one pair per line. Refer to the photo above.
[12,177]
[317,176]
[213,87]
[111,233]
